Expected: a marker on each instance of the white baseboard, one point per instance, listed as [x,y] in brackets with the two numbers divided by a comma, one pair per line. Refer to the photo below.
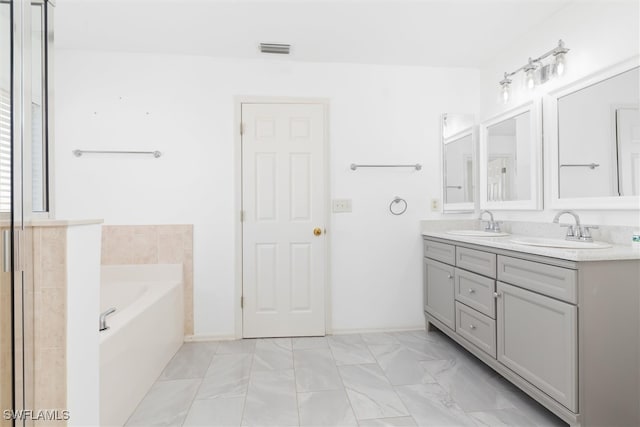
[374,330]
[205,338]
[227,337]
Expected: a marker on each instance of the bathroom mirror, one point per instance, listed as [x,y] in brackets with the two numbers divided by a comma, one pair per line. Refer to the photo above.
[510,148]
[594,138]
[458,163]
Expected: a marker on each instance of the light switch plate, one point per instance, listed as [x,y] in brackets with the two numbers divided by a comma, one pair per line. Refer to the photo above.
[341,205]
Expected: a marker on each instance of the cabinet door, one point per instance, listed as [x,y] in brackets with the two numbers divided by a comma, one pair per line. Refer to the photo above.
[537,339]
[439,291]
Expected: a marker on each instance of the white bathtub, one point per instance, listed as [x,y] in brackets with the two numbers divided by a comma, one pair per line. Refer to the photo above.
[144,333]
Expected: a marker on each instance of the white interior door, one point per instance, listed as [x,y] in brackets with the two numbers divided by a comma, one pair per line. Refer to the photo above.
[283,197]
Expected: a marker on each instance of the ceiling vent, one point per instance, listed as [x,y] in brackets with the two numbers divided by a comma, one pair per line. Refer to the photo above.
[282,49]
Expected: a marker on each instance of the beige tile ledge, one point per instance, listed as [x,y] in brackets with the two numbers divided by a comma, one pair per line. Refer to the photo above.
[55,222]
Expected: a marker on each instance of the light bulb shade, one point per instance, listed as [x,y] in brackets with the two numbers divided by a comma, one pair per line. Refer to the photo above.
[504,91]
[560,64]
[530,79]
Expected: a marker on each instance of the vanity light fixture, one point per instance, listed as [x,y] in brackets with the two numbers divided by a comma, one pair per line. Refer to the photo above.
[505,88]
[536,71]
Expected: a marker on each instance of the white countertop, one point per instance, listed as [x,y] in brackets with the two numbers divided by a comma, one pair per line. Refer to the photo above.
[615,252]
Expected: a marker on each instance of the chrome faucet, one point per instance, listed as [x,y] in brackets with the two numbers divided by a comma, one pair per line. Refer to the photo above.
[492,226]
[578,231]
[103,318]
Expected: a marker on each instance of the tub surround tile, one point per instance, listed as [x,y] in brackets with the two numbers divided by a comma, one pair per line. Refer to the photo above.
[316,370]
[222,412]
[191,361]
[227,376]
[153,244]
[166,404]
[350,350]
[271,399]
[370,393]
[430,404]
[325,408]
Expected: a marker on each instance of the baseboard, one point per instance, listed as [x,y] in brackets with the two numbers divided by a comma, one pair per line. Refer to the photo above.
[204,338]
[375,330]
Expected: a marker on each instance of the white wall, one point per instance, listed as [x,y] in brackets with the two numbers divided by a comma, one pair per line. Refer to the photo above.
[599,34]
[184,107]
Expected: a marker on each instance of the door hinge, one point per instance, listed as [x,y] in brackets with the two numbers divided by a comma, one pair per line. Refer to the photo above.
[241,302]
[241,128]
[241,216]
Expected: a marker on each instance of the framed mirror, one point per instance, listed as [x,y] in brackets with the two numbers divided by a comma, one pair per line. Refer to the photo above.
[510,160]
[594,141]
[458,163]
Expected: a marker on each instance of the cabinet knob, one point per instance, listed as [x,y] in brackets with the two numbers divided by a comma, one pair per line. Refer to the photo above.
[472,291]
[449,276]
[472,326]
[497,295]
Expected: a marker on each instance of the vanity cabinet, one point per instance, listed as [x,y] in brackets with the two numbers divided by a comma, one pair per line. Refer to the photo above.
[565,332]
[438,291]
[537,340]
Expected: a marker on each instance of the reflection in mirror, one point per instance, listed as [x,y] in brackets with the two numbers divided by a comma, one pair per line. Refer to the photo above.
[599,139]
[458,167]
[458,162]
[508,164]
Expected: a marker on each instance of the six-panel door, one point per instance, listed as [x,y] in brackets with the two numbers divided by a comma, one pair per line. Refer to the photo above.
[283,198]
[439,291]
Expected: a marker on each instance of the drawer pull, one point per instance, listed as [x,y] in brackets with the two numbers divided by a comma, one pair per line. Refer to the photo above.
[472,326]
[472,291]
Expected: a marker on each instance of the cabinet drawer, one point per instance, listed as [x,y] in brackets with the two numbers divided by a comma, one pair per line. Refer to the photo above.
[440,251]
[476,291]
[477,328]
[556,282]
[477,261]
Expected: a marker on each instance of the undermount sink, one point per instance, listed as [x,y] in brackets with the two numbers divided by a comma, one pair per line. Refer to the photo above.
[477,233]
[559,243]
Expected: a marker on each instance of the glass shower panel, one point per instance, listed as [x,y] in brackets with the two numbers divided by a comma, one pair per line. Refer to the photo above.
[6,294]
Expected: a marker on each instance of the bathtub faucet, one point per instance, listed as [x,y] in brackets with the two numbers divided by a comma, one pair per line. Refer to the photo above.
[103,318]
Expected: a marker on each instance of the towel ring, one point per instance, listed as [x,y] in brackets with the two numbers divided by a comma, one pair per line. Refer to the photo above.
[398,200]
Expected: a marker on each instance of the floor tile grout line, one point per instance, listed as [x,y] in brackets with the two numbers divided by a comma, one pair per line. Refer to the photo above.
[246,393]
[193,399]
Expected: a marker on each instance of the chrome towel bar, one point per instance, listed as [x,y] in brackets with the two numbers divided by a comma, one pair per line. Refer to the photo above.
[578,165]
[417,166]
[79,153]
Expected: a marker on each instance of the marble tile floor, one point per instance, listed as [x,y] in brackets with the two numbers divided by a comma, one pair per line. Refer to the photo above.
[411,378]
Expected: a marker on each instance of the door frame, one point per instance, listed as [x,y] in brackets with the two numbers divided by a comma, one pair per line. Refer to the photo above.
[238,279]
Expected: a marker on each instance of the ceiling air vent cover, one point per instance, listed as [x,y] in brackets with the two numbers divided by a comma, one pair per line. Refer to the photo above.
[275,48]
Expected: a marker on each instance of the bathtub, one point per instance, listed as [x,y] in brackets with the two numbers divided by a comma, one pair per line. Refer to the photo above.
[144,333]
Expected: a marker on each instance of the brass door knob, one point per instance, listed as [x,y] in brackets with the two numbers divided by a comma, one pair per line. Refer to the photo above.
[317,231]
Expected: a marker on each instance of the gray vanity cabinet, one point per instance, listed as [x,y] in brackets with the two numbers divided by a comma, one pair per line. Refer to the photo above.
[565,332]
[537,339]
[438,291]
